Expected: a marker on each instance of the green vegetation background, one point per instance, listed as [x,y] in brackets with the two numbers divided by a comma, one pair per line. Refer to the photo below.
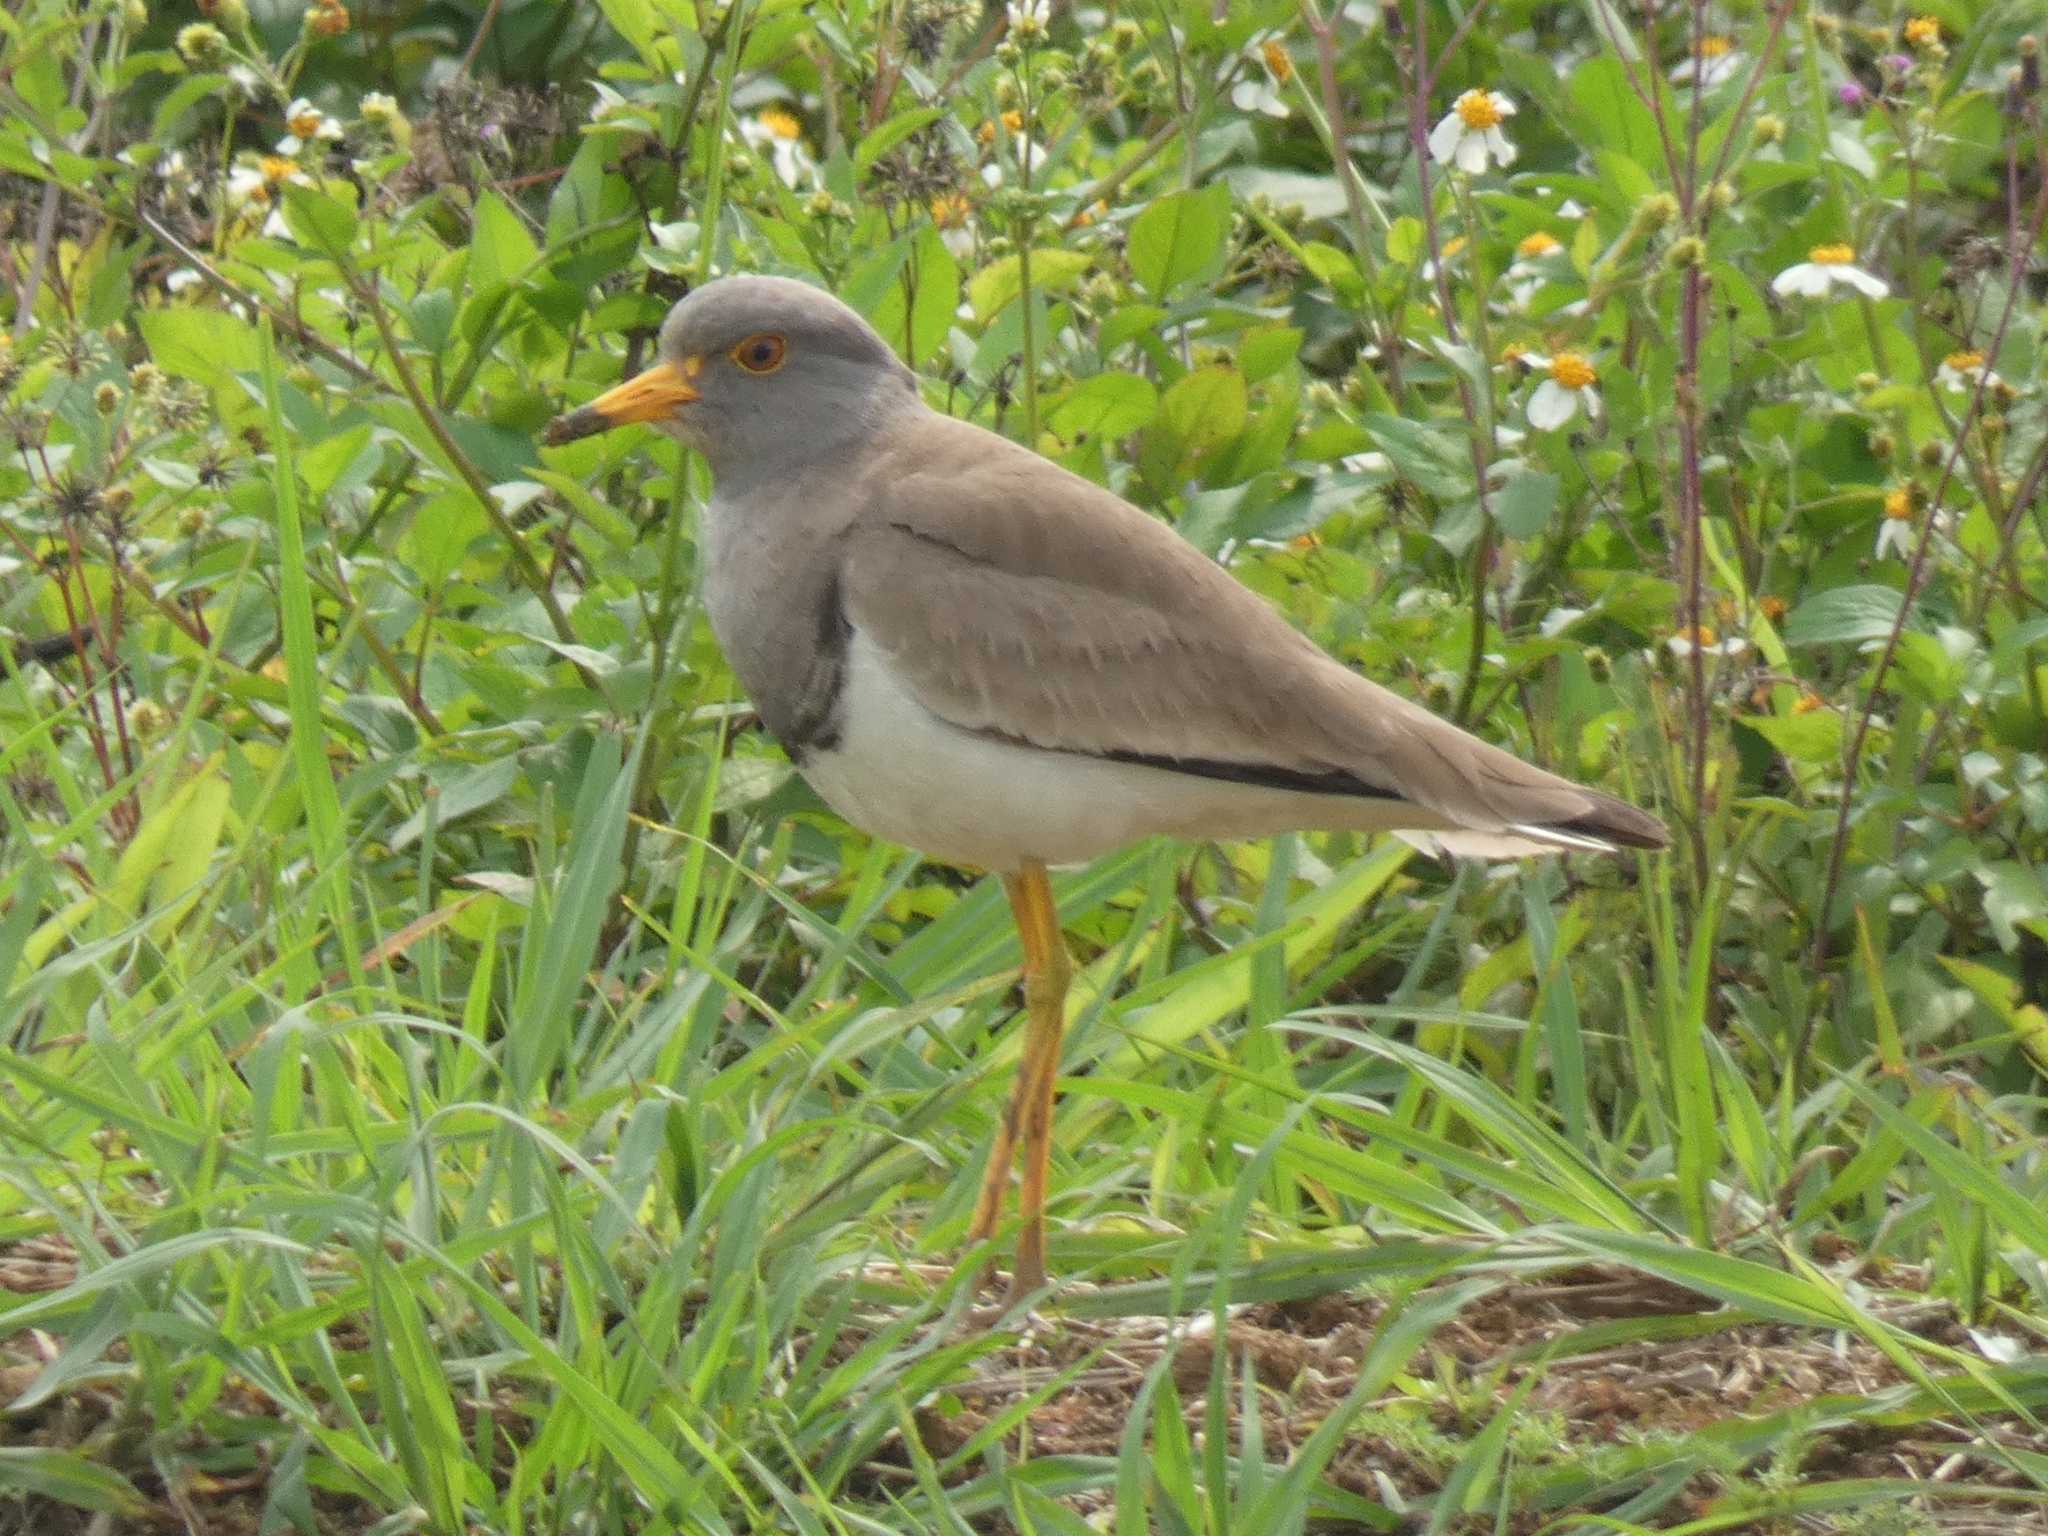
[454,1076]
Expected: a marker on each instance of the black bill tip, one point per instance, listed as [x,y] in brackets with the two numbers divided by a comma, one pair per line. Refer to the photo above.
[572,425]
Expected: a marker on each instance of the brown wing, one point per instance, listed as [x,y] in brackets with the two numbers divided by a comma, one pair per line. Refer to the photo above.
[1041,608]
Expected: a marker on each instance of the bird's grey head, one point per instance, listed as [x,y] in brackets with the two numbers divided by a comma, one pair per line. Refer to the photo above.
[757,371]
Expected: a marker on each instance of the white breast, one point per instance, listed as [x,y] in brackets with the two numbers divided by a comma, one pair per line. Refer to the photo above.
[901,773]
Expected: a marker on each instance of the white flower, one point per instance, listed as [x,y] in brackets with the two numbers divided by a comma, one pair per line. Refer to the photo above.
[1469,136]
[1825,266]
[1028,20]
[1702,640]
[1715,62]
[252,186]
[1960,371]
[1569,386]
[954,216]
[307,123]
[1896,534]
[779,132]
[607,103]
[1261,91]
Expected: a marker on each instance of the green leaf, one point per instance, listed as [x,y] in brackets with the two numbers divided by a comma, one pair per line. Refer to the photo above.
[885,138]
[441,532]
[323,218]
[1525,504]
[1607,114]
[470,789]
[1204,410]
[1815,737]
[1844,615]
[870,283]
[501,250]
[1336,268]
[2014,893]
[1180,238]
[1926,663]
[1264,353]
[1432,455]
[1405,240]
[1109,405]
[204,345]
[916,324]
[65,1477]
[1052,271]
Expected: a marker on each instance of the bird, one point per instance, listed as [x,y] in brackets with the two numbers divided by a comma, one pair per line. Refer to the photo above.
[969,650]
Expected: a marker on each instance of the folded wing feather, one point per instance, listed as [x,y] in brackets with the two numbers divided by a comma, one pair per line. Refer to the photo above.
[1044,609]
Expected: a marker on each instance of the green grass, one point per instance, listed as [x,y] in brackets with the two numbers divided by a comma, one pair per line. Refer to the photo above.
[453,1077]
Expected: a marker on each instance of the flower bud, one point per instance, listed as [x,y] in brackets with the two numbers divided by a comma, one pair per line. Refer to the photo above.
[201,44]
[147,719]
[1656,211]
[1691,251]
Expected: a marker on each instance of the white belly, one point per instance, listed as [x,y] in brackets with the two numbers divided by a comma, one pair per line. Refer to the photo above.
[902,774]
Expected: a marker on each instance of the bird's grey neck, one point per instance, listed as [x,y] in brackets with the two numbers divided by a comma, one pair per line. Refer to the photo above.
[812,459]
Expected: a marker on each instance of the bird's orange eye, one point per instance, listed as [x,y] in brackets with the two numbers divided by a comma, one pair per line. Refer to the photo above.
[760,354]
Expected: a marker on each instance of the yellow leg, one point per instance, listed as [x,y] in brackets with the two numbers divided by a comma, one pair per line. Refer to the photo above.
[1047,972]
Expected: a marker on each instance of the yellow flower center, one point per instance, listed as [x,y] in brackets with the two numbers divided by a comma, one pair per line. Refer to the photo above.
[1923,31]
[1702,636]
[1716,47]
[950,211]
[1541,243]
[781,122]
[1574,372]
[1771,606]
[1453,245]
[1478,111]
[1963,362]
[1513,352]
[278,167]
[986,133]
[1277,60]
[1807,703]
[1831,255]
[304,124]
[1898,504]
